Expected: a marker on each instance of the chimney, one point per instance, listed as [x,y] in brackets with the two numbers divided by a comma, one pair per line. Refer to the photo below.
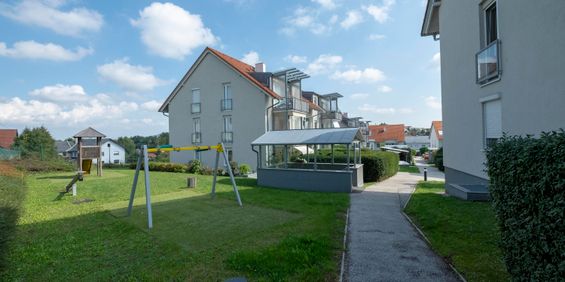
[260,67]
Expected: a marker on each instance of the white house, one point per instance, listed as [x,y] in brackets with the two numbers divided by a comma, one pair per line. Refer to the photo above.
[221,99]
[417,142]
[110,151]
[436,135]
[502,70]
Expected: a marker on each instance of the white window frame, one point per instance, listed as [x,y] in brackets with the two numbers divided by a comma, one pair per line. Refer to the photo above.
[486,134]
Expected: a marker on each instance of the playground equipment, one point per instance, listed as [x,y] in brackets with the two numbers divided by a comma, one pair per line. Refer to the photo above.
[72,185]
[89,151]
[143,157]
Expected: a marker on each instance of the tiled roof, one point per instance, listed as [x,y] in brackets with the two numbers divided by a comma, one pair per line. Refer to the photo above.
[89,132]
[387,132]
[7,137]
[438,126]
[245,70]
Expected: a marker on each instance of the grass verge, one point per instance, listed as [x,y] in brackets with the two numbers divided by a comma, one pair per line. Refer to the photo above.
[408,168]
[463,232]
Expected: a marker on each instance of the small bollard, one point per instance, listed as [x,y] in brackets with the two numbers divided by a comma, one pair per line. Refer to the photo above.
[425,174]
[74,189]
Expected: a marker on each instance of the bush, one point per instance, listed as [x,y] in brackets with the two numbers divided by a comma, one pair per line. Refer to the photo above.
[527,185]
[36,165]
[244,169]
[116,166]
[194,167]
[377,165]
[438,159]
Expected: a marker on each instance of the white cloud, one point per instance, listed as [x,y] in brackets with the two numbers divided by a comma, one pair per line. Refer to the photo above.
[406,110]
[251,58]
[359,76]
[359,96]
[295,59]
[306,19]
[172,32]
[353,18]
[381,13]
[435,62]
[376,110]
[60,93]
[433,102]
[129,77]
[376,36]
[384,89]
[48,14]
[326,4]
[151,105]
[323,64]
[48,51]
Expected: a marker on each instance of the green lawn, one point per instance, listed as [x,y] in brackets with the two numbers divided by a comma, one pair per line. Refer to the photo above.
[463,232]
[277,235]
[408,168]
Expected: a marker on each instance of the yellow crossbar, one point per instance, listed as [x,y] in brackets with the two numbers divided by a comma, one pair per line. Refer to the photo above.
[191,148]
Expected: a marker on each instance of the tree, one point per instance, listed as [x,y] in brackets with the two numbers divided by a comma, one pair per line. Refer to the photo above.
[423,150]
[129,146]
[36,143]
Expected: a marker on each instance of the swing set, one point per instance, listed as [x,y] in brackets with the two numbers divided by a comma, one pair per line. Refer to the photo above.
[143,158]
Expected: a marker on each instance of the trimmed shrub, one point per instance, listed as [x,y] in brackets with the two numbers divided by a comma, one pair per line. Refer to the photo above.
[527,185]
[36,165]
[377,165]
[244,169]
[194,166]
[117,166]
[438,159]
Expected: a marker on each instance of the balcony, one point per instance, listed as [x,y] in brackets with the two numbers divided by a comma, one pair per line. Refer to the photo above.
[196,138]
[488,63]
[227,137]
[333,115]
[195,108]
[227,105]
[292,104]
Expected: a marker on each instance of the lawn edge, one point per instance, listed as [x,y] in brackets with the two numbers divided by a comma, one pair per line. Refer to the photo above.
[344,250]
[426,238]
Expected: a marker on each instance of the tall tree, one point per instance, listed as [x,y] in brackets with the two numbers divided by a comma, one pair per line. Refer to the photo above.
[36,143]
[129,146]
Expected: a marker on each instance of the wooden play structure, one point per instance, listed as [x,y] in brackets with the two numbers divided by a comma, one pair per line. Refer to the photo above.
[143,158]
[87,153]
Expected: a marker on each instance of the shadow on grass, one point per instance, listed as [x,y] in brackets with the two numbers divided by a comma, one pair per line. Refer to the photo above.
[12,194]
[70,176]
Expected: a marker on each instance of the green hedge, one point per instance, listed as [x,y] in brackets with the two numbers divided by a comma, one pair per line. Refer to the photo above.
[377,165]
[36,165]
[438,159]
[527,185]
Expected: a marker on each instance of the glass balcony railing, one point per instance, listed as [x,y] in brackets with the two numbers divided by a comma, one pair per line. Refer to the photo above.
[227,104]
[196,138]
[195,108]
[227,137]
[293,104]
[488,63]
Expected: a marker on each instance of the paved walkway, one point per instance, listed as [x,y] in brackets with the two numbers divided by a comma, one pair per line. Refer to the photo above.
[382,244]
[434,174]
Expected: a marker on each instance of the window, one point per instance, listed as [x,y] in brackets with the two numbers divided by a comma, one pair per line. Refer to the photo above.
[195,107]
[333,105]
[116,161]
[196,135]
[227,134]
[116,153]
[488,58]
[102,154]
[227,102]
[492,122]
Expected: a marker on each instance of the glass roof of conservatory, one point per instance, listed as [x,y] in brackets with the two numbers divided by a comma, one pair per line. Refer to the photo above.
[310,137]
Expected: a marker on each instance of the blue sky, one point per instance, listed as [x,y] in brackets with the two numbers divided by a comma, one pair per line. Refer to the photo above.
[69,64]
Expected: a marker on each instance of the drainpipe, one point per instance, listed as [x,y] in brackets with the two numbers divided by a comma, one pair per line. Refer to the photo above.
[258,156]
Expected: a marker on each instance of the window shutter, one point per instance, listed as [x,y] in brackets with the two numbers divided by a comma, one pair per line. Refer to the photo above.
[493,119]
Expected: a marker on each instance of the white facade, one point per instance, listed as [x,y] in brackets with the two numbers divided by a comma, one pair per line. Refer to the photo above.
[417,142]
[436,138]
[113,154]
[502,69]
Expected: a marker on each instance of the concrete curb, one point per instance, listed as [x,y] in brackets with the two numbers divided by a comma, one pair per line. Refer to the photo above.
[342,271]
[426,238]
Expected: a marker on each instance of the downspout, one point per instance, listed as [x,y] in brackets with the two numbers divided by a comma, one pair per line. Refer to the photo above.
[258,157]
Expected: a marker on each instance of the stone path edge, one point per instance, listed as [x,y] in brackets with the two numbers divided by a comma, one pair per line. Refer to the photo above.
[343,252]
[426,238]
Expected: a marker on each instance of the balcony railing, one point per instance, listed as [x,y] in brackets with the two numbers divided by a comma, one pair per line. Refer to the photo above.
[227,104]
[227,137]
[332,115]
[196,138]
[195,108]
[293,104]
[488,63]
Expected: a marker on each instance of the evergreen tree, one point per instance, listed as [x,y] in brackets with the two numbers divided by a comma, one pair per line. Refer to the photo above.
[36,143]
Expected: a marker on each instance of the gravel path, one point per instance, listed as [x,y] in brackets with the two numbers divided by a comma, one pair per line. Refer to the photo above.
[382,245]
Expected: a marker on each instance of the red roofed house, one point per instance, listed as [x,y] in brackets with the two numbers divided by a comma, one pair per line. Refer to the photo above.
[7,137]
[436,135]
[387,134]
[222,99]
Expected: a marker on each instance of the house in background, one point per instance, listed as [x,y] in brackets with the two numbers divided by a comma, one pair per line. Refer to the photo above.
[110,151]
[7,138]
[386,135]
[221,99]
[64,149]
[501,71]
[436,135]
[417,142]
